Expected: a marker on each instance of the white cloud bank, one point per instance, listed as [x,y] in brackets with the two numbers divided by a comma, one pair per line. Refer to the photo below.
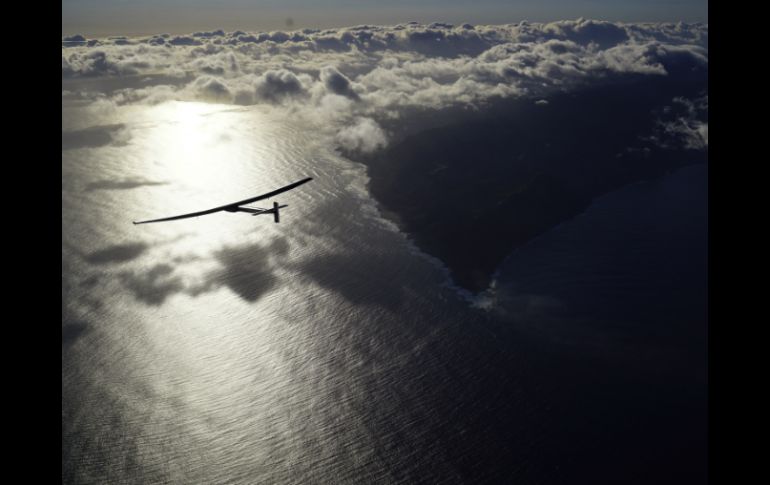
[347,78]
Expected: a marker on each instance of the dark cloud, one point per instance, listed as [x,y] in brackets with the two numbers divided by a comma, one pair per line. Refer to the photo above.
[337,83]
[73,40]
[119,253]
[245,39]
[215,33]
[274,86]
[121,41]
[182,40]
[278,37]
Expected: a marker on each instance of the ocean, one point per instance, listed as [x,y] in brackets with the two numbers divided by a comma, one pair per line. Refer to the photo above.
[328,349]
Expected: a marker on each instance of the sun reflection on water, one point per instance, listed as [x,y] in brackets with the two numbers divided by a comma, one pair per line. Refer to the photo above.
[197,336]
[202,148]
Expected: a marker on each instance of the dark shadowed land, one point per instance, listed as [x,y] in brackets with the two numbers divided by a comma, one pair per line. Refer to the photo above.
[478,184]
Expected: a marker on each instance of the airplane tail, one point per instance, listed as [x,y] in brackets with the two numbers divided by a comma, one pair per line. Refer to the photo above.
[275,211]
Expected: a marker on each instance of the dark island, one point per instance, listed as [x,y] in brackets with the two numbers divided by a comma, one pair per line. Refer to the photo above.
[470,186]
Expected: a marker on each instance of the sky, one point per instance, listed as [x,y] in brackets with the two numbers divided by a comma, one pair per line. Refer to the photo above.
[98,18]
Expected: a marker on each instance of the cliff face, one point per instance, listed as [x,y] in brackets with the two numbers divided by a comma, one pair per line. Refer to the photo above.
[481,184]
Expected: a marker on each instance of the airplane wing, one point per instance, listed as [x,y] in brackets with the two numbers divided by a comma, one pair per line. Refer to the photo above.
[230,206]
[183,216]
[267,195]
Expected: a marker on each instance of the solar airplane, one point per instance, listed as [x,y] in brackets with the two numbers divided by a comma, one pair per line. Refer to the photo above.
[240,206]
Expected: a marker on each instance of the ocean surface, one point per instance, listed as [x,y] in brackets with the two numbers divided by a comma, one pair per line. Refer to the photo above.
[328,349]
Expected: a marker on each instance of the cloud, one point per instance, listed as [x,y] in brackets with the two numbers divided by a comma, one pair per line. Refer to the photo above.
[150,95]
[212,89]
[215,33]
[365,136]
[101,63]
[683,123]
[695,136]
[74,38]
[350,79]
[275,86]
[336,82]
[182,40]
[603,34]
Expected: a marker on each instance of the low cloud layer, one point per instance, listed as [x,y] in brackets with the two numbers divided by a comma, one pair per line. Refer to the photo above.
[683,124]
[350,80]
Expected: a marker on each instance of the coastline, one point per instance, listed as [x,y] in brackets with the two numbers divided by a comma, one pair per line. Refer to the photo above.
[544,165]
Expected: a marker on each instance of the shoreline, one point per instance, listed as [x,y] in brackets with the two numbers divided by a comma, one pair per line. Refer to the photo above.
[543,166]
